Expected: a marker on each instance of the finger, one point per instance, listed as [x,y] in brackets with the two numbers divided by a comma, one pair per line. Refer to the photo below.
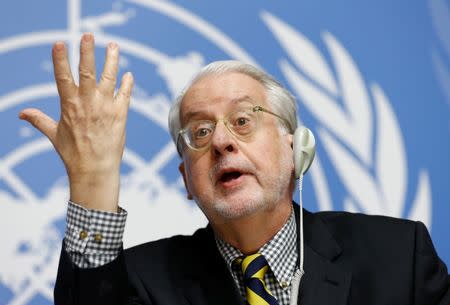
[61,68]
[123,96]
[108,79]
[40,121]
[87,64]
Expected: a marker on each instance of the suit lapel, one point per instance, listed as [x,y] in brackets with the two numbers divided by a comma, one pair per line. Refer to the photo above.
[324,282]
[210,281]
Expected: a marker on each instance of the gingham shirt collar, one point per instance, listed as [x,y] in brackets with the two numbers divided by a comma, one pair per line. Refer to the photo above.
[280,252]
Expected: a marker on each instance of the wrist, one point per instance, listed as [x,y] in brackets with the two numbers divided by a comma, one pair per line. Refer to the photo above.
[98,191]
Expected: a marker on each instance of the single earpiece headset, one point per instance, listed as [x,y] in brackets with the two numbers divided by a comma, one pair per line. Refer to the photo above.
[304,146]
[304,149]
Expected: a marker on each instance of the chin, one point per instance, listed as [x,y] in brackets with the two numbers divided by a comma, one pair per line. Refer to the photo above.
[237,210]
[238,207]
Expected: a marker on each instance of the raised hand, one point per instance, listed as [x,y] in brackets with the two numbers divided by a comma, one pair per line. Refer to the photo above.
[90,135]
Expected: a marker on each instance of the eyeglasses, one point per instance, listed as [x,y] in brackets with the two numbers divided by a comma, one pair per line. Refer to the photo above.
[242,123]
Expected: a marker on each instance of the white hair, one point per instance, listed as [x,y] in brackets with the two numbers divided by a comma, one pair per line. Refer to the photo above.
[280,100]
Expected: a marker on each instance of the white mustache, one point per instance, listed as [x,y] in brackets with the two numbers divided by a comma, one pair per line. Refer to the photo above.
[229,163]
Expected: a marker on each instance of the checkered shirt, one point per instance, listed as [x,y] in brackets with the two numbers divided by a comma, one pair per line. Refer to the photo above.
[93,238]
[281,255]
[280,252]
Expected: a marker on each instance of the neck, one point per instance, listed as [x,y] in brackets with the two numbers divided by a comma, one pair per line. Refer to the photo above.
[250,233]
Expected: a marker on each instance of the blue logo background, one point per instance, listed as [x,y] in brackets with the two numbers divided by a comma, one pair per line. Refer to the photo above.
[372,82]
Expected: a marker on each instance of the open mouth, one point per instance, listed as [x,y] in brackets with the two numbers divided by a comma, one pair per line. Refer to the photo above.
[227,177]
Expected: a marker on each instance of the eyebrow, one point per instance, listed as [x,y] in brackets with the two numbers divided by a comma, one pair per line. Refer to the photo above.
[192,114]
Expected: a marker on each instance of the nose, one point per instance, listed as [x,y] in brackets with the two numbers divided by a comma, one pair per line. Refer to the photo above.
[222,141]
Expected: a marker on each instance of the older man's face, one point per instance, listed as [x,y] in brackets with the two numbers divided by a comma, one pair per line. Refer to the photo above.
[235,177]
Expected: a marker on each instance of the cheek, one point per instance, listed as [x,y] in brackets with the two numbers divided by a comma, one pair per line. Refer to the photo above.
[197,175]
[278,155]
[271,145]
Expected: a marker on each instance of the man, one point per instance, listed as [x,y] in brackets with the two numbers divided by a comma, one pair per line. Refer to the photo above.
[233,129]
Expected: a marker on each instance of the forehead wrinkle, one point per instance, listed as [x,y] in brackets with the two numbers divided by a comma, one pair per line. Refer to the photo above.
[206,108]
[205,111]
[245,98]
[207,105]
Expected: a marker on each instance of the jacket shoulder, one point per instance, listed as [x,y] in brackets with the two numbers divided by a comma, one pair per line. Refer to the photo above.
[340,217]
[377,231]
[165,253]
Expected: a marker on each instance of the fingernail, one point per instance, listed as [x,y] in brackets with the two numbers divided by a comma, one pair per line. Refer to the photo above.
[112,45]
[22,116]
[59,45]
[128,75]
[88,37]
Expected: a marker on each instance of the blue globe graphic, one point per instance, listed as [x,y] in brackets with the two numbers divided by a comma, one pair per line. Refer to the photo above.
[32,179]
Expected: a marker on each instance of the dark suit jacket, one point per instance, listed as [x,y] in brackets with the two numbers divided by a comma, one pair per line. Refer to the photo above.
[349,259]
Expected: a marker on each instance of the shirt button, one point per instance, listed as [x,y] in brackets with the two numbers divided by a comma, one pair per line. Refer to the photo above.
[284,284]
[83,235]
[98,237]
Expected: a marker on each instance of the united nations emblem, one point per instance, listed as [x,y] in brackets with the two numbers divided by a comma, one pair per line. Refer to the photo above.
[356,126]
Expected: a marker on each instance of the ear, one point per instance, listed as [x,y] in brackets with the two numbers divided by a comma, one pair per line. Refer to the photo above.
[290,138]
[183,173]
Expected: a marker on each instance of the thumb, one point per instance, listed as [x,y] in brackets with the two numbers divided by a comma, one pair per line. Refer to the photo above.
[40,121]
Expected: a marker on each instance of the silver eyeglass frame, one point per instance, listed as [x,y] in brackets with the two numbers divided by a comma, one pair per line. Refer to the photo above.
[182,132]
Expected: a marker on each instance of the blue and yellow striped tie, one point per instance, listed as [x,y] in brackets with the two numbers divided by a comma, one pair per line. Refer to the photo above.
[254,267]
